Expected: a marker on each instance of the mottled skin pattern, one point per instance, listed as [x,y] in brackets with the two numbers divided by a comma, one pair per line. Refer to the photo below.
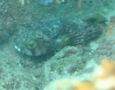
[46,36]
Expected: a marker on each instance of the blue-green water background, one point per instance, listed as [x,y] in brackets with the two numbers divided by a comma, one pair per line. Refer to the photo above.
[19,71]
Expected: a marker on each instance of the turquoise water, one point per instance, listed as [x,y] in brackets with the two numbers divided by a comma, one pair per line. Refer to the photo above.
[45,2]
[45,40]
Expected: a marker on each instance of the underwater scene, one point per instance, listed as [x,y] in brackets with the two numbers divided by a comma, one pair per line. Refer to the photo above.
[57,45]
